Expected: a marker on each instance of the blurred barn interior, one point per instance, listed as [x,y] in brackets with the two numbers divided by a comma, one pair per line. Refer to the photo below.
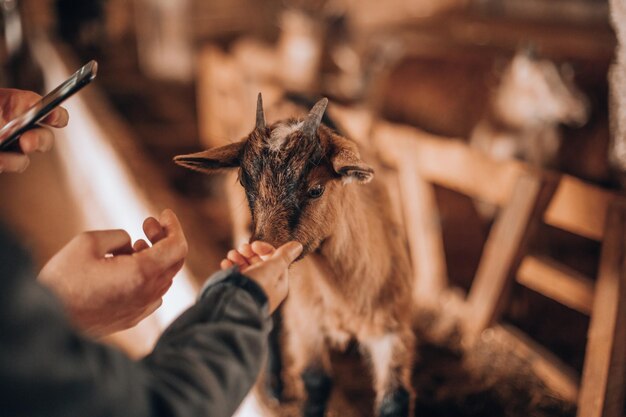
[491,118]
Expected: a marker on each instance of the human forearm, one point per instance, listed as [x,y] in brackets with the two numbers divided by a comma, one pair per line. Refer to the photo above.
[203,365]
[211,356]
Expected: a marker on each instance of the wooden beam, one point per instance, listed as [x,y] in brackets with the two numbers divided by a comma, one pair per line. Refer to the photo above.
[580,12]
[602,388]
[558,282]
[594,42]
[579,208]
[450,162]
[501,256]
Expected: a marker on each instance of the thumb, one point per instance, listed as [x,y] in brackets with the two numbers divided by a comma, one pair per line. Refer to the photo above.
[287,253]
[277,264]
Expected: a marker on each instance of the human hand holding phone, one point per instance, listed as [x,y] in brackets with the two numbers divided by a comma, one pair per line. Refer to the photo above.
[25,116]
[40,139]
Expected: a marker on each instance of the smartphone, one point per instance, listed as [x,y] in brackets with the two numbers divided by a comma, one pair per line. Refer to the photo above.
[11,132]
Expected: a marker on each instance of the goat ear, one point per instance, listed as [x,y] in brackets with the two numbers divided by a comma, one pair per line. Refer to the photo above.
[212,160]
[347,162]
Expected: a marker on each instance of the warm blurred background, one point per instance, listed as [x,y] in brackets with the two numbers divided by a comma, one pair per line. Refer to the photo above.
[458,98]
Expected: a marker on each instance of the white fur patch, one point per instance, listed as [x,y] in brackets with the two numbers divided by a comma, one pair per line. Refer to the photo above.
[381,350]
[280,133]
[347,180]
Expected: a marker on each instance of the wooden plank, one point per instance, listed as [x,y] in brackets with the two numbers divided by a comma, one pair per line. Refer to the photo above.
[450,162]
[558,282]
[602,388]
[419,210]
[556,375]
[580,12]
[579,208]
[372,14]
[501,256]
[596,44]
[424,233]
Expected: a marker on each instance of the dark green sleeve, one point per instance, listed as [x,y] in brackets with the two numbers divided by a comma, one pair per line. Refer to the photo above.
[212,354]
[203,365]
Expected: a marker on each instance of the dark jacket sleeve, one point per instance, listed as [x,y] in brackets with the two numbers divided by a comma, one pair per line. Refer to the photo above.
[203,364]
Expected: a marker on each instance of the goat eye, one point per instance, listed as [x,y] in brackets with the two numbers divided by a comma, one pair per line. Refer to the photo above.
[316,191]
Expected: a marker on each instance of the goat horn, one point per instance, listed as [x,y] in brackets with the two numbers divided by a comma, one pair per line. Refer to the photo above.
[313,120]
[260,116]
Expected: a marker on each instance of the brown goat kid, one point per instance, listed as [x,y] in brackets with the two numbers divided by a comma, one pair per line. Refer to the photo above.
[353,281]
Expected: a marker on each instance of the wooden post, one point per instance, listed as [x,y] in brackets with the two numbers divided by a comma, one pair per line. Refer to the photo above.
[617,86]
[424,233]
[602,387]
[502,255]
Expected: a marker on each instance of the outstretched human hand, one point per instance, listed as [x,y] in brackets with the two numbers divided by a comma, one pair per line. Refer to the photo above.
[12,104]
[107,284]
[267,266]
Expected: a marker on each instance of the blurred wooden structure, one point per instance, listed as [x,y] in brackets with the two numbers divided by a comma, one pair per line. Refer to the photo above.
[524,198]
[424,159]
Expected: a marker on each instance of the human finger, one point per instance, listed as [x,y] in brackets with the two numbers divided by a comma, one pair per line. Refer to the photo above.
[286,254]
[225,264]
[278,263]
[172,246]
[272,274]
[39,139]
[262,248]
[58,118]
[153,229]
[16,102]
[246,250]
[105,242]
[140,245]
[253,260]
[167,251]
[251,257]
[236,258]
[13,162]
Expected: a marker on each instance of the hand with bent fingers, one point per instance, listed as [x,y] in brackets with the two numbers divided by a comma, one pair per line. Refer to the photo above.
[106,284]
[12,104]
[267,266]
